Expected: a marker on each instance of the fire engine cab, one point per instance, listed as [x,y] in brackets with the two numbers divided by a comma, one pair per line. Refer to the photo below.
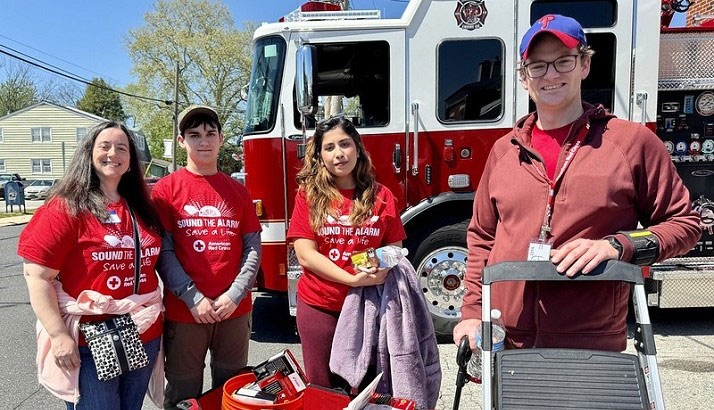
[431,91]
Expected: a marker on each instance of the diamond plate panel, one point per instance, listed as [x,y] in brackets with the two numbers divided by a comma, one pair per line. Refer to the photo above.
[697,292]
[294,268]
[686,61]
[684,282]
[294,273]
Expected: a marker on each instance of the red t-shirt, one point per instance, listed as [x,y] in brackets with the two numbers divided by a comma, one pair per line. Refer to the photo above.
[338,240]
[208,217]
[549,143]
[91,254]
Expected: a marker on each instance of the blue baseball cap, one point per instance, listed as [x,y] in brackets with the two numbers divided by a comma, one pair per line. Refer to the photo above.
[566,29]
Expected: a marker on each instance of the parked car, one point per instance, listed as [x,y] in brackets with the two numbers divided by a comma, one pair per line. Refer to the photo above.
[7,177]
[39,188]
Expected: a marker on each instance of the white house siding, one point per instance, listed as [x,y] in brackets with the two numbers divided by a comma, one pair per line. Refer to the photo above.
[18,150]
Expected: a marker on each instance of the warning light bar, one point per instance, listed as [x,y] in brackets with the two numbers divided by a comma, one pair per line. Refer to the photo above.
[318,10]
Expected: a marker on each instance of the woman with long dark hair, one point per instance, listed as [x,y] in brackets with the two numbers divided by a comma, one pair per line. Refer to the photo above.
[78,252]
[339,210]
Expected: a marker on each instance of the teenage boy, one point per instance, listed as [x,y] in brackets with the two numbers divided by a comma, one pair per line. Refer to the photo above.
[209,261]
[570,184]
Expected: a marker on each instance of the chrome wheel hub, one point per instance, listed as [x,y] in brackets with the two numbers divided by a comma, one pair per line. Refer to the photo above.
[441,275]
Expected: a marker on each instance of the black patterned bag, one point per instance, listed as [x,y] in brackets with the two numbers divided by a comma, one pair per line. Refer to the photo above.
[116,346]
[115,343]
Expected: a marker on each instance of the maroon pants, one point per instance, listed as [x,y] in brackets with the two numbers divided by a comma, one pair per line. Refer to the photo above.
[317,329]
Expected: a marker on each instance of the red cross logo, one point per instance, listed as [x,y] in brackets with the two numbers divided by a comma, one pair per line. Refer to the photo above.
[334,254]
[199,246]
[545,20]
[113,282]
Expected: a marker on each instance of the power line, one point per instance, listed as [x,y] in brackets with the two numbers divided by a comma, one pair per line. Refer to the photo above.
[43,62]
[73,76]
[58,58]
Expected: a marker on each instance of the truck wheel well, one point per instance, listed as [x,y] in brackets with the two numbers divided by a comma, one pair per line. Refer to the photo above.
[431,219]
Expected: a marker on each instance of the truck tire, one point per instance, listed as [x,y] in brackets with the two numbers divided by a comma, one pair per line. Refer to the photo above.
[440,262]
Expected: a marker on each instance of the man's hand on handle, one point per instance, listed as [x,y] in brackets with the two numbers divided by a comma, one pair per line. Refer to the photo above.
[467,328]
[582,255]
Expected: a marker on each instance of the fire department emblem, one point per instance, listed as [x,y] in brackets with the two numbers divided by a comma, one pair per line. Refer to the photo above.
[470,14]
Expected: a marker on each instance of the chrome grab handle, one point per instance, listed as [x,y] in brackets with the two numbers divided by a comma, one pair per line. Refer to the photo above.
[415,153]
[397,158]
[641,100]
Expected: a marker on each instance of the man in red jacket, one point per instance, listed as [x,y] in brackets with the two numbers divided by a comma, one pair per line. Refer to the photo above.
[570,183]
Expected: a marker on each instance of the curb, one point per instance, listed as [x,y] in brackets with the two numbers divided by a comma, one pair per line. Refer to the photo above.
[15,220]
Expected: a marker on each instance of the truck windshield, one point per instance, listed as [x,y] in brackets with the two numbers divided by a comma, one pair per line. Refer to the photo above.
[264,89]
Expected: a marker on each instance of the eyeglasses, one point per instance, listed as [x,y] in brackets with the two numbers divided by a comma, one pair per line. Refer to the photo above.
[563,64]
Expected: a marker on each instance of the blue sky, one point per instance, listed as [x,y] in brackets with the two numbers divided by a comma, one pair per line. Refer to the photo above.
[87,37]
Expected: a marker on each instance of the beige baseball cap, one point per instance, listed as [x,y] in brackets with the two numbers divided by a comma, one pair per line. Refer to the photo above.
[192,110]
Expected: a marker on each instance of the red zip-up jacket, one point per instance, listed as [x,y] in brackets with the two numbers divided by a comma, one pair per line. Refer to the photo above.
[620,176]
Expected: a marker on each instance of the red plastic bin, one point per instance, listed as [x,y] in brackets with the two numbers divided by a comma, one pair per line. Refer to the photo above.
[233,384]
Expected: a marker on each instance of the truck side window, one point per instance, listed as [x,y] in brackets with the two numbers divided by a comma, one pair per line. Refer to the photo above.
[263,92]
[599,86]
[470,75]
[590,13]
[353,80]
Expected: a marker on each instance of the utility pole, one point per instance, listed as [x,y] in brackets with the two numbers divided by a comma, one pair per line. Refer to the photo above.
[175,121]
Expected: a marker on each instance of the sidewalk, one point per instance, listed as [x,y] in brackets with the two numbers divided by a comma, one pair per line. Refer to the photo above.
[19,219]
[15,220]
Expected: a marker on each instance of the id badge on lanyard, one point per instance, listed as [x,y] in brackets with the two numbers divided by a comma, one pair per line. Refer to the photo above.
[539,249]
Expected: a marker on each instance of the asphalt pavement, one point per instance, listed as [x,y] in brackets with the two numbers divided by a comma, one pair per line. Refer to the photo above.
[684,339]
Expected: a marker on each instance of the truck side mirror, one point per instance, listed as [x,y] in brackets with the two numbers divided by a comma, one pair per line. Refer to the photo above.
[305,80]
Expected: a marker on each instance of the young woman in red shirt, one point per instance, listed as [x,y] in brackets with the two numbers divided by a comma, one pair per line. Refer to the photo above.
[339,210]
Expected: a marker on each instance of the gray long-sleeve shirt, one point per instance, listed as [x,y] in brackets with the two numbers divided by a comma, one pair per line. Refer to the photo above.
[178,282]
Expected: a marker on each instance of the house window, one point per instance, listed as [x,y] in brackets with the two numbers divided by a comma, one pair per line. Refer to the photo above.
[81,132]
[2,165]
[41,166]
[41,134]
[140,142]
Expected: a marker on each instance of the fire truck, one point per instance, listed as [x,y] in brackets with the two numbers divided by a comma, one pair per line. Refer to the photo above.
[430,93]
